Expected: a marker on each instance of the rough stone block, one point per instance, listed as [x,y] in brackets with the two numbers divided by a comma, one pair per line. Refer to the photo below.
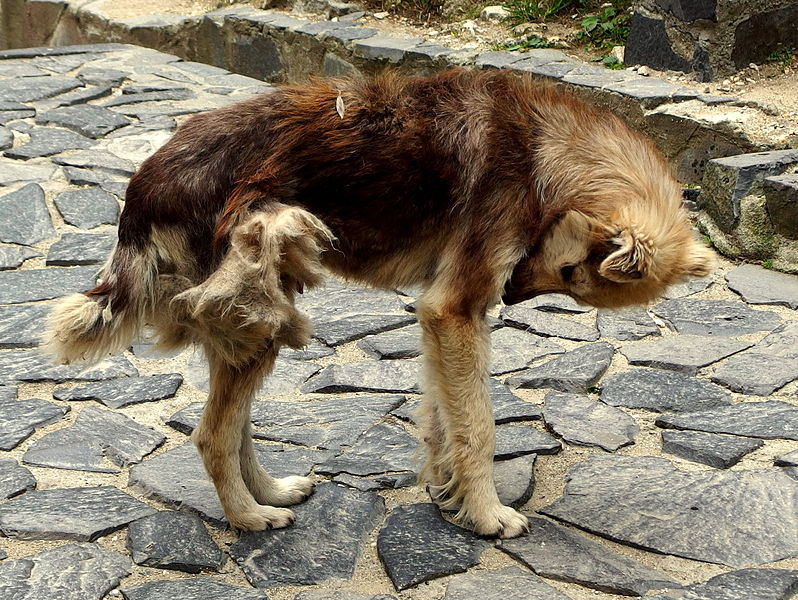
[781,192]
[382,47]
[648,44]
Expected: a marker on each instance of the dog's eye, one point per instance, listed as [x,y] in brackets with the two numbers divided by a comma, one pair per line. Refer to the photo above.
[567,272]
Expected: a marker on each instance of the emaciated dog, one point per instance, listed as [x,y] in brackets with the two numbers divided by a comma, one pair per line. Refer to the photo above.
[477,186]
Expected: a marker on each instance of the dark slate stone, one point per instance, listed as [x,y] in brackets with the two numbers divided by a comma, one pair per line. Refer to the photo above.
[383,448]
[719,451]
[690,10]
[515,479]
[350,34]
[78,176]
[19,68]
[31,222]
[648,44]
[510,583]
[6,138]
[130,96]
[399,343]
[11,257]
[197,588]
[781,192]
[69,572]
[96,435]
[788,460]
[573,371]
[746,584]
[337,594]
[389,481]
[756,373]
[101,76]
[762,286]
[683,353]
[63,63]
[366,376]
[87,208]
[497,59]
[383,47]
[512,349]
[78,96]
[298,555]
[62,50]
[312,351]
[20,418]
[417,545]
[3,556]
[661,391]
[626,324]
[173,540]
[14,479]
[556,303]
[580,420]
[768,420]
[10,111]
[15,172]
[117,393]
[86,119]
[507,407]
[21,326]
[725,517]
[30,89]
[651,92]
[81,249]
[763,31]
[81,514]
[97,159]
[351,328]
[31,365]
[715,317]
[547,324]
[554,551]
[513,441]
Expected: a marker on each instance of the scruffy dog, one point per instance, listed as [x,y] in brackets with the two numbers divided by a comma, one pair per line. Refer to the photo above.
[475,185]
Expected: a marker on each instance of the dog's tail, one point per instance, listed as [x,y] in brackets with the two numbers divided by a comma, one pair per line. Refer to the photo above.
[104,320]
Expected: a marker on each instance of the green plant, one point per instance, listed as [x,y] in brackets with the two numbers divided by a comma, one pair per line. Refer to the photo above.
[767,264]
[784,57]
[524,11]
[612,63]
[533,42]
[608,28]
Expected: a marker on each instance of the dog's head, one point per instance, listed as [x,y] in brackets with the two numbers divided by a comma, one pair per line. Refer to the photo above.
[629,258]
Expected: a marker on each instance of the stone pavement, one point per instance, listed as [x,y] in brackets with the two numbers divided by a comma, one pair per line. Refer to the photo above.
[656,451]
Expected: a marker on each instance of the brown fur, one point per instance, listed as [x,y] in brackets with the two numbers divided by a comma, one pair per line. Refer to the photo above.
[474,185]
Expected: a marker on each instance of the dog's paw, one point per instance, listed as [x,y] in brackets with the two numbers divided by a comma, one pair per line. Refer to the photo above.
[262,517]
[500,521]
[291,490]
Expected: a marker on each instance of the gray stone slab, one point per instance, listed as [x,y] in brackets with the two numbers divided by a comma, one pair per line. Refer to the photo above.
[78,96]
[661,391]
[724,517]
[715,317]
[513,441]
[555,303]
[417,545]
[399,343]
[97,159]
[6,138]
[19,68]
[688,288]
[345,330]
[31,222]
[62,63]
[386,48]
[745,584]
[383,448]
[585,422]
[44,284]
[69,572]
[117,393]
[515,479]
[554,551]
[45,141]
[16,172]
[768,420]
[21,325]
[312,351]
[11,256]
[173,540]
[682,353]
[510,583]
[497,59]
[14,479]
[88,208]
[62,50]
[81,249]
[652,92]
[197,588]
[788,460]
[512,349]
[86,119]
[389,481]
[338,594]
[32,365]
[30,89]
[547,324]
[719,451]
[298,555]
[102,76]
[367,376]
[81,514]
[129,96]
[96,435]
[574,371]
[11,111]
[626,324]
[20,418]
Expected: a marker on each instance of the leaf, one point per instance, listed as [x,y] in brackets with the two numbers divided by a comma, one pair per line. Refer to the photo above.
[339,105]
[589,23]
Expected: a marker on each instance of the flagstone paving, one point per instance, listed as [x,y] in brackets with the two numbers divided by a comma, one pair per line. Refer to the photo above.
[655,449]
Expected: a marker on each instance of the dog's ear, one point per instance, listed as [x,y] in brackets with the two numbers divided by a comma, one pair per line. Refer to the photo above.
[630,257]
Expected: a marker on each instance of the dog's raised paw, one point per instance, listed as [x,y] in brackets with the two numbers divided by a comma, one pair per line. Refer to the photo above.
[262,517]
[500,521]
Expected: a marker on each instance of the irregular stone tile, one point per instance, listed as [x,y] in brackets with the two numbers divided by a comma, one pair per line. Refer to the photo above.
[719,451]
[44,284]
[14,479]
[197,588]
[86,119]
[367,376]
[21,326]
[312,351]
[515,479]
[78,96]
[20,418]
[554,551]
[18,68]
[30,89]
[745,584]
[513,441]
[338,594]
[626,324]
[45,141]
[580,420]
[512,349]
[3,556]
[353,327]
[573,371]
[725,517]
[788,460]
[97,159]
[762,286]
[547,324]
[556,303]
[173,540]
[81,514]
[399,343]
[62,64]
[31,365]
[335,300]
[661,391]
[688,288]
[88,208]
[132,95]
[117,393]
[95,435]
[508,408]
[417,545]
[81,249]
[11,257]
[102,76]
[91,177]
[390,481]
[510,583]
[32,219]
[6,138]
[13,172]
[768,420]
[383,448]
[714,317]
[298,555]
[69,572]
[683,353]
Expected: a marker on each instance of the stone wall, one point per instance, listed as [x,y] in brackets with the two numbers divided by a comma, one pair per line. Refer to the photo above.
[710,38]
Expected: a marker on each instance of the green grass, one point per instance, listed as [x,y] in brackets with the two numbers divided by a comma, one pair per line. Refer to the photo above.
[785,57]
[531,11]
[767,264]
[532,42]
[605,29]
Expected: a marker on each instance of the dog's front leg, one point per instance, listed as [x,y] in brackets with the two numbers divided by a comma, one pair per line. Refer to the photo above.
[459,431]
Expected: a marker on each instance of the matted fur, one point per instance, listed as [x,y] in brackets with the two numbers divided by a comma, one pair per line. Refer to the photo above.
[476,186]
